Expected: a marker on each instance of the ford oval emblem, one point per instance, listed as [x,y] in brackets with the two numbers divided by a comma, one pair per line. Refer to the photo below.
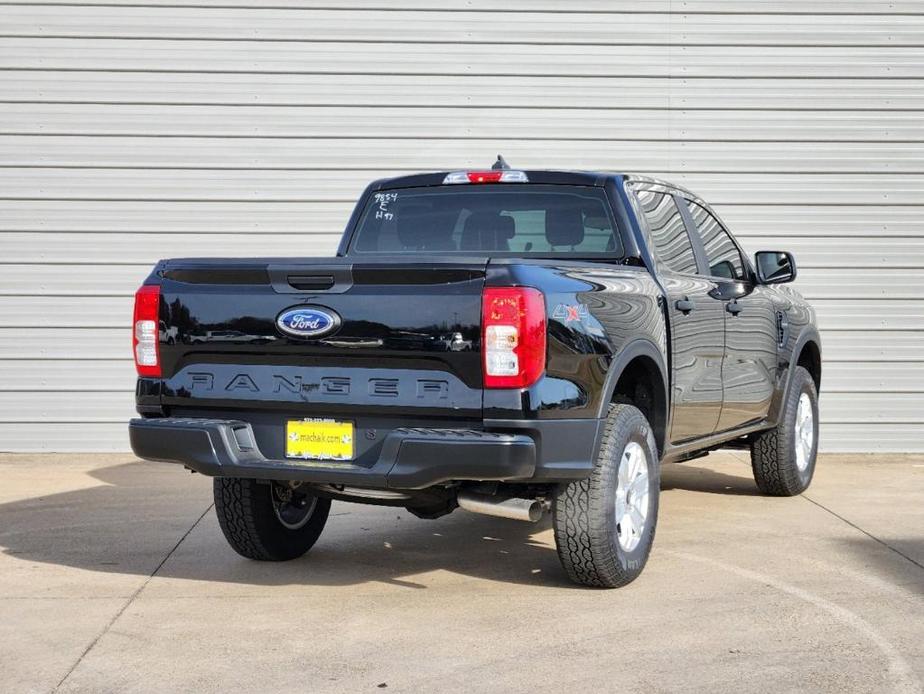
[307,321]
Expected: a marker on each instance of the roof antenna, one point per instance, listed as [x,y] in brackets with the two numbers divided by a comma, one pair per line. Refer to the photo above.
[500,164]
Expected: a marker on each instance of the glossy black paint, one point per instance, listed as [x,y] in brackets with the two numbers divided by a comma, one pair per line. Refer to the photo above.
[407,351]
[732,355]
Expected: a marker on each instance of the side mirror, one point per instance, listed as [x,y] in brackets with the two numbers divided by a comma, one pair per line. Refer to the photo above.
[775,267]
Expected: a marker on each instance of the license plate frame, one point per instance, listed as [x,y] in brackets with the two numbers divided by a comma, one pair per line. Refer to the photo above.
[320,439]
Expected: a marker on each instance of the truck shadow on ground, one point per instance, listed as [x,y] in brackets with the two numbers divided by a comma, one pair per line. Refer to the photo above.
[138,513]
[699,479]
[131,521]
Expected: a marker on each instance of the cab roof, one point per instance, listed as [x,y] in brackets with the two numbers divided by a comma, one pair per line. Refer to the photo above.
[574,178]
[547,176]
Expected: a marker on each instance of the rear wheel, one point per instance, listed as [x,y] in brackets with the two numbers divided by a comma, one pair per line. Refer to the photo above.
[605,524]
[783,458]
[268,521]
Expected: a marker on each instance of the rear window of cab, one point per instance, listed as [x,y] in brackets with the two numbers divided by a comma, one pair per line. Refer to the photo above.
[521,219]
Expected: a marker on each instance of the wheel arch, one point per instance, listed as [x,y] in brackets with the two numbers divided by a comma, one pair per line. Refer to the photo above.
[809,357]
[806,352]
[638,375]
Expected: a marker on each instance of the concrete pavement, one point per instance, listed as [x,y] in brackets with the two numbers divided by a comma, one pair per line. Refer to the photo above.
[114,577]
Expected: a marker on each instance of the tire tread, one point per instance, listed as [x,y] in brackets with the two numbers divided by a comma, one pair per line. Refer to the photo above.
[234,504]
[584,547]
[249,524]
[773,451]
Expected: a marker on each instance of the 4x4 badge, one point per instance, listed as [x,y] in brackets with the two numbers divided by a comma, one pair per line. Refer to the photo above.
[570,312]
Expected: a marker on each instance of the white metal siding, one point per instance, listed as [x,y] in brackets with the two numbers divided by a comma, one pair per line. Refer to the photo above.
[131,131]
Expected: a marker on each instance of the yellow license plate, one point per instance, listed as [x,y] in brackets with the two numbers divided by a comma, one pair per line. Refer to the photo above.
[319,439]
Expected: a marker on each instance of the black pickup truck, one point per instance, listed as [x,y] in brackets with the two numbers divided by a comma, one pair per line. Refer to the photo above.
[508,342]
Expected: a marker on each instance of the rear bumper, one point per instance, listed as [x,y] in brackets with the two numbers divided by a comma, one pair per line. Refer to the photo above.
[409,458]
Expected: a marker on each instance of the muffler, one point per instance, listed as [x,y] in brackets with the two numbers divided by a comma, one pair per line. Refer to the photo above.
[517,509]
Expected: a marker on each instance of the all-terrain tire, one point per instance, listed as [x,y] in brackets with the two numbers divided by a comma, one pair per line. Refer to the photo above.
[249,521]
[774,458]
[584,512]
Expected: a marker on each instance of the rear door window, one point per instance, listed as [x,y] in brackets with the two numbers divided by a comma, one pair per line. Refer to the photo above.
[668,232]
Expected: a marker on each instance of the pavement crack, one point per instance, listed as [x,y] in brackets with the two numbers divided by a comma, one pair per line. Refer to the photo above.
[868,534]
[131,599]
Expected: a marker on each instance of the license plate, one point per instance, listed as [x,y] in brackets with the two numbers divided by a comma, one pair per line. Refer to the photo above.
[319,439]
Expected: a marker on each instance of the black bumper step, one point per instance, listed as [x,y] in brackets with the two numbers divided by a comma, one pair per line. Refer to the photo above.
[410,458]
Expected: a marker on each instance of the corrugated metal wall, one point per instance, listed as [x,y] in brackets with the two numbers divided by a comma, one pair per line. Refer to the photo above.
[131,131]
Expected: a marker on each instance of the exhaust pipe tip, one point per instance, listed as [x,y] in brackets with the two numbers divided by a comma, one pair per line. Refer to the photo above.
[530,510]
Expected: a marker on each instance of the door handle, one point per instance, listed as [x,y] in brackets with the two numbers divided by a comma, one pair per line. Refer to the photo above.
[733,307]
[684,305]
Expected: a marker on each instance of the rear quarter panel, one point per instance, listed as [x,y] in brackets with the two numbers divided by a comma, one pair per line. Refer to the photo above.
[593,310]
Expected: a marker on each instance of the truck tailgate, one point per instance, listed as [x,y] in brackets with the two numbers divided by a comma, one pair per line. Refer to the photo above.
[407,344]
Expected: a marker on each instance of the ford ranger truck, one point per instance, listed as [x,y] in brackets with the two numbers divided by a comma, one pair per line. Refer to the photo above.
[513,343]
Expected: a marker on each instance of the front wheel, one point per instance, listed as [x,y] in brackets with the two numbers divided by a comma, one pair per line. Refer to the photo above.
[605,524]
[268,521]
[783,458]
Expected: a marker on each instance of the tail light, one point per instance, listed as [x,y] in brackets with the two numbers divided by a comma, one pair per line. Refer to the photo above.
[145,331]
[512,336]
